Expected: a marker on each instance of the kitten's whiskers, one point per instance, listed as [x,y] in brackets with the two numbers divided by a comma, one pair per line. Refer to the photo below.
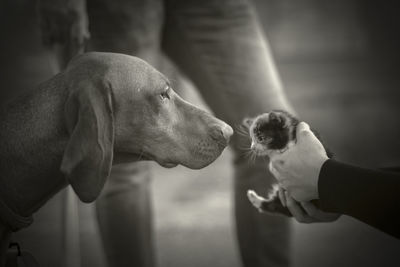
[242,130]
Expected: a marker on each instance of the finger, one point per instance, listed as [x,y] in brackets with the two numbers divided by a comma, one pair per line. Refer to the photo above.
[277,154]
[303,130]
[302,126]
[286,185]
[277,164]
[281,194]
[305,135]
[272,154]
[317,214]
[310,209]
[296,210]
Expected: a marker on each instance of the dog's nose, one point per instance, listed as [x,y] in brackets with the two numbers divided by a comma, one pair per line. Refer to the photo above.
[227,132]
[222,133]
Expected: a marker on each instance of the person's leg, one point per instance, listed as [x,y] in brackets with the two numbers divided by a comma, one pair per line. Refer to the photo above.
[125,216]
[220,46]
[5,236]
[124,208]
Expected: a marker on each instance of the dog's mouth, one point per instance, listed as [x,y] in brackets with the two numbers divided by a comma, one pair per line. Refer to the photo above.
[126,157]
[163,163]
[168,164]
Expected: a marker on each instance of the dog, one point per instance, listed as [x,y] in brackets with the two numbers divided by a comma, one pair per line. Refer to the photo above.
[103,109]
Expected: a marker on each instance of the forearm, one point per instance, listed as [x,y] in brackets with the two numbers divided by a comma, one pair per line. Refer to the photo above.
[368,195]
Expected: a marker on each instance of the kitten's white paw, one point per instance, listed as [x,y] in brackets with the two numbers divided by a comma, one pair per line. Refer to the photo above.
[255,199]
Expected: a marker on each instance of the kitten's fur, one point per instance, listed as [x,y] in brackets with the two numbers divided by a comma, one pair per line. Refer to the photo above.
[272,131]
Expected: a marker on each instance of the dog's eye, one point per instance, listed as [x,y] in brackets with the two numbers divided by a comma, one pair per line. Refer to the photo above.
[165,95]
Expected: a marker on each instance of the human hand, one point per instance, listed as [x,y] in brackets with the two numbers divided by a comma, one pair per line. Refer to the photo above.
[297,169]
[307,212]
[64,23]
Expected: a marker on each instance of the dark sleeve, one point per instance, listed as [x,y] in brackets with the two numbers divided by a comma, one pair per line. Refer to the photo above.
[371,196]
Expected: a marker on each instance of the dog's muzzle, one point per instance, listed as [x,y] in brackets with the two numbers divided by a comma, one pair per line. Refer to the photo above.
[222,134]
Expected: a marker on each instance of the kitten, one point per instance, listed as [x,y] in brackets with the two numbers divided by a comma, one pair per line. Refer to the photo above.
[273,131]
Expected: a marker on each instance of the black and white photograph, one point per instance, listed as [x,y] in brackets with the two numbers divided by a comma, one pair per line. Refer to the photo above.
[193,133]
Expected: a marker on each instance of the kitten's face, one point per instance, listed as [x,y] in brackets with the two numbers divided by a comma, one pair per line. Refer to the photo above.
[270,131]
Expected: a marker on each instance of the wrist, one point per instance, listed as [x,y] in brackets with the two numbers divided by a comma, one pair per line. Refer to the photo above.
[320,163]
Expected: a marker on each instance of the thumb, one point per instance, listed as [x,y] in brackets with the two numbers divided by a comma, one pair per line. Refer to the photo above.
[306,138]
[304,133]
[302,126]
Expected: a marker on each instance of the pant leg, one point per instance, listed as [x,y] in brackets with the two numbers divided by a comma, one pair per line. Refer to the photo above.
[125,216]
[220,46]
[124,208]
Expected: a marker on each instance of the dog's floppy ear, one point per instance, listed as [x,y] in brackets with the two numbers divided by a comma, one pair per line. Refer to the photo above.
[88,156]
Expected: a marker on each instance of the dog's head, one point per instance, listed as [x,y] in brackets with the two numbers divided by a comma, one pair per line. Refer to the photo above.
[120,109]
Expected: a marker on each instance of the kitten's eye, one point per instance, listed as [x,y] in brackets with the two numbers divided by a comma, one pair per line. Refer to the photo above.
[165,94]
[260,138]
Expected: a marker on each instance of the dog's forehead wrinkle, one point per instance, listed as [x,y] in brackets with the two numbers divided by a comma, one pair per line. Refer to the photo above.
[151,82]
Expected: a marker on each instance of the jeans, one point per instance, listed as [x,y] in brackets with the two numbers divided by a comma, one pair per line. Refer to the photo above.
[219,45]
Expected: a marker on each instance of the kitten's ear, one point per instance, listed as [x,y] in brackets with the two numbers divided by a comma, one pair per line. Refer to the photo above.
[247,122]
[274,118]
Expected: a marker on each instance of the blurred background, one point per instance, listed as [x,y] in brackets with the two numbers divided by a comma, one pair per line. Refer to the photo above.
[339,64]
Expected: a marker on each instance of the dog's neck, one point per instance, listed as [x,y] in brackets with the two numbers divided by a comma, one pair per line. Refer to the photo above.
[33,140]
